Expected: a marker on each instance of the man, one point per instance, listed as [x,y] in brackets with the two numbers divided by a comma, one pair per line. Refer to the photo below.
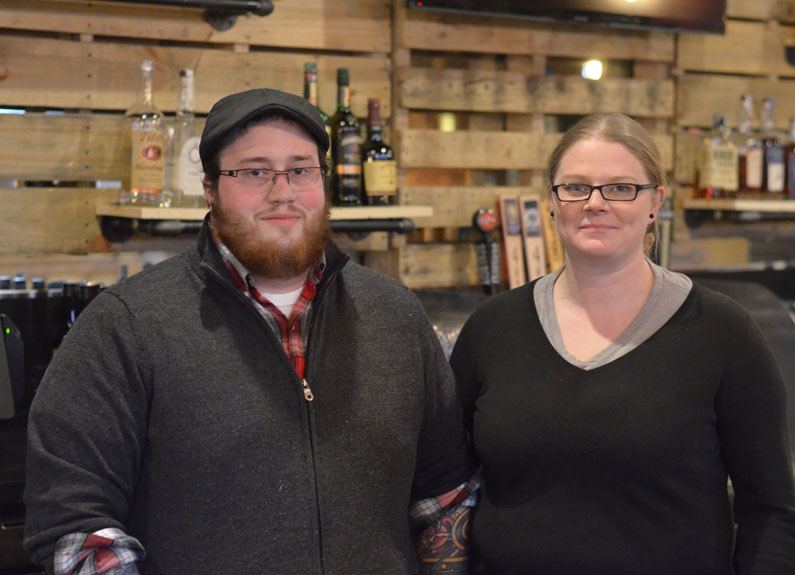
[258,404]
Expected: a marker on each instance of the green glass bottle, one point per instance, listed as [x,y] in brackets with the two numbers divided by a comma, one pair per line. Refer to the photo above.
[346,147]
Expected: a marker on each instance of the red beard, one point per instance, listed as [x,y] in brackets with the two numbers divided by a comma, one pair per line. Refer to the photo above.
[269,259]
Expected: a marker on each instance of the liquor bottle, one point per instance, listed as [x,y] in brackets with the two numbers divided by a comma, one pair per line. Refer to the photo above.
[773,179]
[751,154]
[346,147]
[378,161]
[718,165]
[310,93]
[790,161]
[187,168]
[147,163]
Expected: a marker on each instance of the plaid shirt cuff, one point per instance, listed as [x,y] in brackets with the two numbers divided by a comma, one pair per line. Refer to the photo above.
[426,511]
[107,551]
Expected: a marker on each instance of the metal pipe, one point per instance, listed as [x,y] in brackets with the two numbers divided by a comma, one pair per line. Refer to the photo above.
[258,7]
[398,225]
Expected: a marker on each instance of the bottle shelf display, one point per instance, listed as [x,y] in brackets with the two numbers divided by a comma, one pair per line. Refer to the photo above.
[747,164]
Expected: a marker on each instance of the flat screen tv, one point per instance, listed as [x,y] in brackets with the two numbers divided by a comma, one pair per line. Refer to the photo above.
[670,15]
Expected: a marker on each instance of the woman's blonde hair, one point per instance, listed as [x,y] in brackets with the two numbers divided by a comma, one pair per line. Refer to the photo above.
[618,129]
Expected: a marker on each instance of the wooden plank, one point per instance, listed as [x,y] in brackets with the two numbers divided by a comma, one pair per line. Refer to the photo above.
[50,220]
[438,265]
[454,32]
[105,75]
[500,91]
[71,147]
[362,26]
[699,96]
[455,206]
[197,214]
[490,150]
[467,149]
[687,146]
[746,48]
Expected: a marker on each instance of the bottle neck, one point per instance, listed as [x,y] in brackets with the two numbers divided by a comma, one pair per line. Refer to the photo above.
[343,97]
[186,98]
[310,88]
[146,78]
[374,132]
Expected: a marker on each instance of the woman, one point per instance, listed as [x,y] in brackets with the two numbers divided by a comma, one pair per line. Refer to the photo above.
[610,401]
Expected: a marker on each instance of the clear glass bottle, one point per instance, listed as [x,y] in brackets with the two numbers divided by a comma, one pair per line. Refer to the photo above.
[346,147]
[148,137]
[378,161]
[751,153]
[187,171]
[718,163]
[773,178]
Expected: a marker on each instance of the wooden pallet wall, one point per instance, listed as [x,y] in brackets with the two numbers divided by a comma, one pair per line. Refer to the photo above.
[510,86]
[712,72]
[82,58]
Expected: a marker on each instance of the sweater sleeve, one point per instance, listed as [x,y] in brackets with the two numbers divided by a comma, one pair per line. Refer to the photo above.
[752,423]
[444,458]
[86,429]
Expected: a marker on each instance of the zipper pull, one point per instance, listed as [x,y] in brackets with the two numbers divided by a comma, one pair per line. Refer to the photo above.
[308,395]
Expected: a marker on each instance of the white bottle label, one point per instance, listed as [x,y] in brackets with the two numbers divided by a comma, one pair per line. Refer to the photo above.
[754,165]
[189,169]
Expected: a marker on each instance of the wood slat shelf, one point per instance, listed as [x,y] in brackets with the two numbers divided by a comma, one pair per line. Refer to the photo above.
[193,214]
[741,205]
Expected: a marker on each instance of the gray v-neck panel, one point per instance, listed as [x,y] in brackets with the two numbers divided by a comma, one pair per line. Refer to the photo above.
[667,296]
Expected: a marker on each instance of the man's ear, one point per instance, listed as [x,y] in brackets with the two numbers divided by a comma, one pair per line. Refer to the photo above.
[210,190]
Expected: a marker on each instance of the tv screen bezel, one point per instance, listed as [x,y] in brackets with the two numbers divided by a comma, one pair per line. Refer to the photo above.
[574,16]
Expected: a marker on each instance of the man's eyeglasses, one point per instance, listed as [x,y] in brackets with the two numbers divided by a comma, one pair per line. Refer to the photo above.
[610,192]
[265,178]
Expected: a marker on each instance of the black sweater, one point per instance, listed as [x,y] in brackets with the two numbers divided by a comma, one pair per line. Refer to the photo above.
[172,412]
[623,469]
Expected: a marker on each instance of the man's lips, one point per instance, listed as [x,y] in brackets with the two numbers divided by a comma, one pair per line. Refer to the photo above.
[281,219]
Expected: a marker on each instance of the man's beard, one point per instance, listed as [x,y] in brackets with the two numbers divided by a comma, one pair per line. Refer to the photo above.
[267,258]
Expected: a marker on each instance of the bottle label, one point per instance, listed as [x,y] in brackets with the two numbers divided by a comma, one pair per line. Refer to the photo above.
[775,170]
[148,167]
[380,178]
[754,164]
[719,167]
[189,168]
[350,155]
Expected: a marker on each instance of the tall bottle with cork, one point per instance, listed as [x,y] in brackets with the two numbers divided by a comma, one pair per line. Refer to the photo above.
[346,147]
[773,175]
[148,135]
[378,161]
[187,171]
[750,151]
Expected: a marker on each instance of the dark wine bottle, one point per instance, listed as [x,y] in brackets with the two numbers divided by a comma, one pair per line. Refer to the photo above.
[378,161]
[346,147]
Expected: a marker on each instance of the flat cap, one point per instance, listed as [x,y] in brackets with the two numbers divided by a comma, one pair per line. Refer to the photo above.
[235,110]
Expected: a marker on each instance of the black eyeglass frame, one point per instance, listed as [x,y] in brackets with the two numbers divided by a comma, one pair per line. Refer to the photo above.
[233,173]
[638,189]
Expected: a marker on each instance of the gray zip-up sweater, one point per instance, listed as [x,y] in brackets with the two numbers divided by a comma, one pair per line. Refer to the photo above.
[172,412]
